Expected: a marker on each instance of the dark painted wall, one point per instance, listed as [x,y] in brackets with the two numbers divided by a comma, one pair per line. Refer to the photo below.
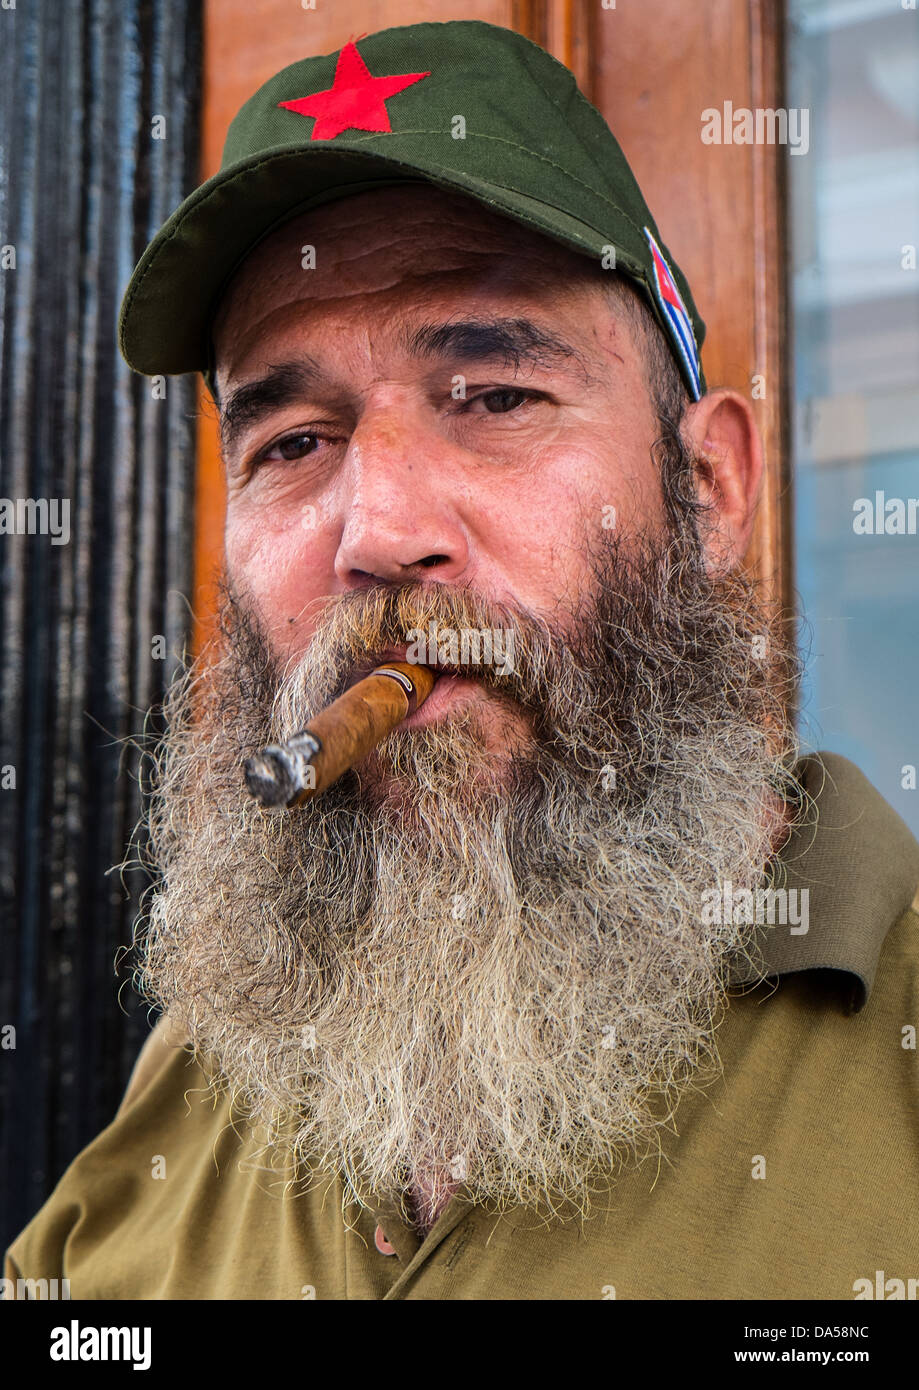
[83,185]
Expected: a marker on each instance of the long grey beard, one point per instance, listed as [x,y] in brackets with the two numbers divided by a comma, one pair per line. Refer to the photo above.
[496,976]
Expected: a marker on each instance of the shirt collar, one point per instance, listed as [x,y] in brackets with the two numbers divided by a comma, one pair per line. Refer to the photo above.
[859,863]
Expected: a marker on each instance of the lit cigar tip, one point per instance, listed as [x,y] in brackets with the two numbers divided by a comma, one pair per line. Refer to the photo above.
[269,779]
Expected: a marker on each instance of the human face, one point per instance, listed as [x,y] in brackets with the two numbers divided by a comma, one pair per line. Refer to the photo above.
[444,397]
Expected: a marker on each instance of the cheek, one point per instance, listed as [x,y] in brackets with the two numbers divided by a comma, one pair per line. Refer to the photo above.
[280,562]
[536,542]
[614,475]
[541,533]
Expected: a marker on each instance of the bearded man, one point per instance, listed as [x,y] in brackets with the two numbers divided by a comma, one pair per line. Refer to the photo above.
[563,990]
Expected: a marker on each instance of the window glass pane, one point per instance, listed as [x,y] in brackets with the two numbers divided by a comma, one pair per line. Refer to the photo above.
[854,229]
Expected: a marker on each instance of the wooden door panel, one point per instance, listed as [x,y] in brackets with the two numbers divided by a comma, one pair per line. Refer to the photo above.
[720,208]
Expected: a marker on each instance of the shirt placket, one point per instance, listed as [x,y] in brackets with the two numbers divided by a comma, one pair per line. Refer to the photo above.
[397,1244]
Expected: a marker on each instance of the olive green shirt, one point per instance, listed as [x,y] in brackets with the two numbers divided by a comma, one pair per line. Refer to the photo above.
[794,1175]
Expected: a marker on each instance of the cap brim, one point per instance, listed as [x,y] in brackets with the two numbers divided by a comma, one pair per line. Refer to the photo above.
[174,291]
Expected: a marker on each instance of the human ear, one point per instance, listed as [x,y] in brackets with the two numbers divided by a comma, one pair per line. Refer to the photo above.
[722,434]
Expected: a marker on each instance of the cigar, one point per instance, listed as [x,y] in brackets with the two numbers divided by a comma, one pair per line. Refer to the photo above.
[283,775]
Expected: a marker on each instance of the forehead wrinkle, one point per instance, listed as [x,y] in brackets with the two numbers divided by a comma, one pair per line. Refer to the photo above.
[256,299]
[466,334]
[271,278]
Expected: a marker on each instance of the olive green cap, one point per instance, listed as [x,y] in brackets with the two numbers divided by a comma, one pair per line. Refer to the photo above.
[466,106]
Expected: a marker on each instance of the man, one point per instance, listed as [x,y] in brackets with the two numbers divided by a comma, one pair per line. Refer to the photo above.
[583,984]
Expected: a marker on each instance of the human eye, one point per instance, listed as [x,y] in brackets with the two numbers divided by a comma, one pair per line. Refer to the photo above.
[290,447]
[501,400]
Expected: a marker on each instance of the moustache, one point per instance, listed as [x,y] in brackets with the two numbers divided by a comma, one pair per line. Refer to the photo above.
[379,653]
[451,631]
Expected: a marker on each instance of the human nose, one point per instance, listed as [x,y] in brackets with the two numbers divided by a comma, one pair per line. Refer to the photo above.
[399,487]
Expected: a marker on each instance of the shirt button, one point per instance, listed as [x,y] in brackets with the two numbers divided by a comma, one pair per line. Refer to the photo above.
[381,1243]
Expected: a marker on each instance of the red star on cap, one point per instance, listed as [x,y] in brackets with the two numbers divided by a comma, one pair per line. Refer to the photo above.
[355,101]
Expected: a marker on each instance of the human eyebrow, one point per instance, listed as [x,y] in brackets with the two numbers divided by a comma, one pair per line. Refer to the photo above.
[283,384]
[513,340]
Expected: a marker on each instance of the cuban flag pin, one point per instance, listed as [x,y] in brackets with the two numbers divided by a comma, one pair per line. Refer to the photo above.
[675,314]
